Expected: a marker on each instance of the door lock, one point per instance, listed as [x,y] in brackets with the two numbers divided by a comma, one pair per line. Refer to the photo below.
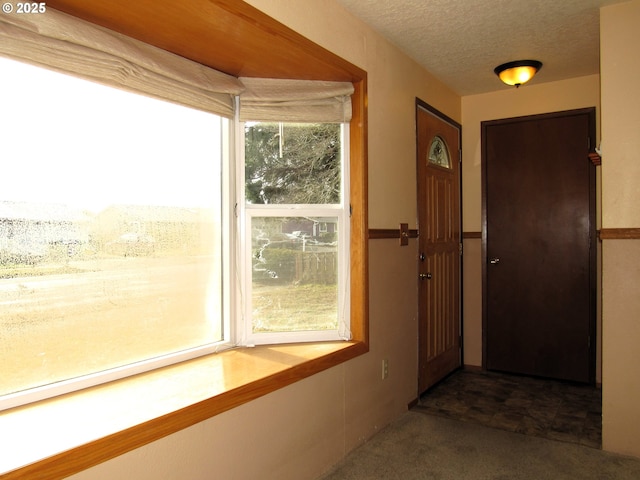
[494,261]
[425,276]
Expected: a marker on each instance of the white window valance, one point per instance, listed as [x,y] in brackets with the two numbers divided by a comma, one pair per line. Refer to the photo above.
[69,45]
[267,99]
[73,46]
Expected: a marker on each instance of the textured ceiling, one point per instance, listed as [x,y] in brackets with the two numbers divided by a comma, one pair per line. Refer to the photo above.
[462,41]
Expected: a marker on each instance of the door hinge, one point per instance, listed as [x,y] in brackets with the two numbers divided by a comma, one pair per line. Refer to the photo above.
[460,248]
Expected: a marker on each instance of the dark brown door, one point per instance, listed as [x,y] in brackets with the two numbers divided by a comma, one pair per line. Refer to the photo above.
[539,262]
[438,173]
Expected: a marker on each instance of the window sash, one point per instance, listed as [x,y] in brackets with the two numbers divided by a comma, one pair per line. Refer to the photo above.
[247,211]
[123,364]
[245,327]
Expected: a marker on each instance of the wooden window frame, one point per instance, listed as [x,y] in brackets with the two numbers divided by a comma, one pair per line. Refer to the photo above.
[247,43]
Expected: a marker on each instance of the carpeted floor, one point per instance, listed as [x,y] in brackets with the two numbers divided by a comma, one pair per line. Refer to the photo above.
[429,447]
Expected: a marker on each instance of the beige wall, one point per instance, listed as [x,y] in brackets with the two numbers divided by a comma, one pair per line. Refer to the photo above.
[508,102]
[303,429]
[620,70]
[620,67]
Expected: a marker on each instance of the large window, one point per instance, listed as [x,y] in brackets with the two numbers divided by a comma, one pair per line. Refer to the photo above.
[116,233]
[111,230]
[180,213]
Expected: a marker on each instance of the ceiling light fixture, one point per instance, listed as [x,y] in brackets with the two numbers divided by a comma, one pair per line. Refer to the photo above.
[518,72]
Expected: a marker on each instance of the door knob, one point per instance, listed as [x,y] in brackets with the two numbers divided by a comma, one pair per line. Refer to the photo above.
[494,261]
[425,276]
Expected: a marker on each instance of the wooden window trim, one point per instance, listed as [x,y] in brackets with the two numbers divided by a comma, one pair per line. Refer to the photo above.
[248,43]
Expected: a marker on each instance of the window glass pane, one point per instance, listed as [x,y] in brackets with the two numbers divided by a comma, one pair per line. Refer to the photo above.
[292,163]
[294,274]
[110,228]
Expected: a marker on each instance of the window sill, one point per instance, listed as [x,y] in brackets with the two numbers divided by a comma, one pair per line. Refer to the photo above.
[61,436]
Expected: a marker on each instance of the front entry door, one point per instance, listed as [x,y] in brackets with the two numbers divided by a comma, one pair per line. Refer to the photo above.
[439,242]
[540,245]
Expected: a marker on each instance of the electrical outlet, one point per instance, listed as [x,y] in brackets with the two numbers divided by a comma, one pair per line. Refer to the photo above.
[385,368]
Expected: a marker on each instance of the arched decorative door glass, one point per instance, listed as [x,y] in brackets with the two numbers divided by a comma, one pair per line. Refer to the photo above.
[439,153]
